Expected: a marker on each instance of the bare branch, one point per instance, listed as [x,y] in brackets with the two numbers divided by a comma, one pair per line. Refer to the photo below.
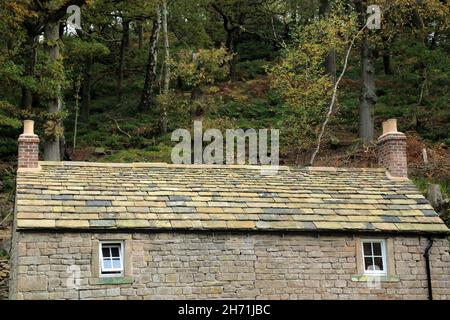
[333,100]
[336,85]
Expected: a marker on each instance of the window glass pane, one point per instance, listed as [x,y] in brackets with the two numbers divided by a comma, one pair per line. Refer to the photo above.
[367,248]
[116,264]
[378,263]
[111,258]
[376,249]
[107,264]
[105,251]
[115,251]
[368,263]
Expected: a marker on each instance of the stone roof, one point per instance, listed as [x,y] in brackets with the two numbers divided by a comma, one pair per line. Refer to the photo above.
[75,195]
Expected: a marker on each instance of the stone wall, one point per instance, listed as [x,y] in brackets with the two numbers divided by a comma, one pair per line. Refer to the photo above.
[224,265]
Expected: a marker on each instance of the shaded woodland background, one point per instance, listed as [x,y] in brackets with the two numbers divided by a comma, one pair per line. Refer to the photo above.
[114,90]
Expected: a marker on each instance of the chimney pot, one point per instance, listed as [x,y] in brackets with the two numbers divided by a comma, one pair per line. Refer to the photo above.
[390,126]
[28,127]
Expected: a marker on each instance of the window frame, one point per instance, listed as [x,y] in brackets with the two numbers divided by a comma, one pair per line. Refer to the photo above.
[383,244]
[114,272]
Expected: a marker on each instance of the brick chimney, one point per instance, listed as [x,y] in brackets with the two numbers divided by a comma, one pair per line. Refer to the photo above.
[28,147]
[392,149]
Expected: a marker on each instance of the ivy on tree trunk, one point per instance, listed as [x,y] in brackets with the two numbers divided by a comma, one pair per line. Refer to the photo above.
[52,145]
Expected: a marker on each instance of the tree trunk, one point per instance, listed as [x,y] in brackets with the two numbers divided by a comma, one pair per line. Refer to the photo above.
[387,63]
[123,46]
[166,49]
[86,89]
[234,31]
[30,63]
[330,64]
[163,120]
[140,31]
[323,7]
[330,59]
[196,94]
[230,44]
[368,96]
[52,146]
[126,30]
[386,56]
[150,72]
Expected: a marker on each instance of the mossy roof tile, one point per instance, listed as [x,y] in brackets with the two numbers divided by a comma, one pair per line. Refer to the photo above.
[78,195]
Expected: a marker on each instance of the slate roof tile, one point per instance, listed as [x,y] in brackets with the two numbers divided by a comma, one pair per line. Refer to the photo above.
[74,195]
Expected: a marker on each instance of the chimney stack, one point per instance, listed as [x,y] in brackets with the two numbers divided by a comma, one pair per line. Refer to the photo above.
[392,150]
[28,147]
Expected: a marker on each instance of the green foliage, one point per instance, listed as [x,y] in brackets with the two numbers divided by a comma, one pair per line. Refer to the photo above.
[254,50]
[8,180]
[8,147]
[3,254]
[334,142]
[160,153]
[206,66]
[179,108]
[251,69]
[53,124]
[411,16]
[423,182]
[79,49]
[300,78]
[51,77]
[8,115]
[258,112]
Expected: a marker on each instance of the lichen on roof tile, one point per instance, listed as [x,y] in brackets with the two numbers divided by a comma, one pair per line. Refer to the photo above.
[78,195]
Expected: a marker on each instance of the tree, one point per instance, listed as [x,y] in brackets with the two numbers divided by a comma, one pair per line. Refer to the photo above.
[368,96]
[48,20]
[198,69]
[166,47]
[31,19]
[166,85]
[234,14]
[140,32]
[330,60]
[123,47]
[300,77]
[420,42]
[85,50]
[124,17]
[150,70]
[52,150]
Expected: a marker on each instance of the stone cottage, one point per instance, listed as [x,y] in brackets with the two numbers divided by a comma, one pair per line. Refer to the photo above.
[162,231]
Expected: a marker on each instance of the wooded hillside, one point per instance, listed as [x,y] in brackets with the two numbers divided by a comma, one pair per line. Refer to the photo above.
[115,87]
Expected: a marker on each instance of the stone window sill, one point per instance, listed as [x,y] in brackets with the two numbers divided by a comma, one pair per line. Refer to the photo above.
[365,278]
[112,280]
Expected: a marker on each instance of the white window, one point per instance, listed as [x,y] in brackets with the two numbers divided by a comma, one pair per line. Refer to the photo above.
[111,258]
[374,257]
